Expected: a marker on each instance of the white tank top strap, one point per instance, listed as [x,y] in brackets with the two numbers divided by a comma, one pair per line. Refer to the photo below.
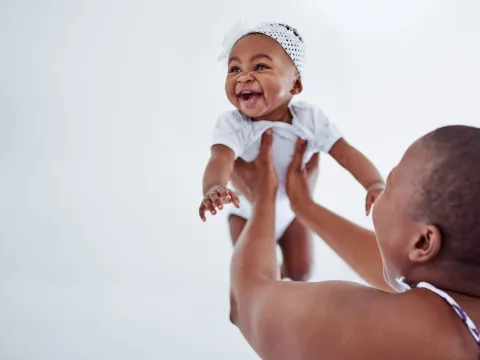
[462,314]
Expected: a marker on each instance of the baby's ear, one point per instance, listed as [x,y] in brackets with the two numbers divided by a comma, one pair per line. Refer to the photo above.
[297,86]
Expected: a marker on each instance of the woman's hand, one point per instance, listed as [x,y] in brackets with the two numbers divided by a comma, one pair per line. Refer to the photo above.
[312,171]
[257,178]
[301,178]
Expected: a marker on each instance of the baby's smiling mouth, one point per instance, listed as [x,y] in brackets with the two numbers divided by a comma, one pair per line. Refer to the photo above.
[249,96]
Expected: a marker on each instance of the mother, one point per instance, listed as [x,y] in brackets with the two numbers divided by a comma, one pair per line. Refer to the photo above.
[427,232]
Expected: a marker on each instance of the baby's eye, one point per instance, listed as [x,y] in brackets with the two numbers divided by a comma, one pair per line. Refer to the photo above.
[261,67]
[234,69]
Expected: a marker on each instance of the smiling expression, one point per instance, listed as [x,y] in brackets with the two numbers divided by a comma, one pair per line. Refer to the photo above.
[262,79]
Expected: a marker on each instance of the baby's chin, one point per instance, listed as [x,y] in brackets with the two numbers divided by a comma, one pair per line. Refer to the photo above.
[252,113]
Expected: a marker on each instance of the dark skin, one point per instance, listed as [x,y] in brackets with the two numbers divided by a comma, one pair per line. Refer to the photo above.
[297,243]
[257,65]
[261,82]
[342,320]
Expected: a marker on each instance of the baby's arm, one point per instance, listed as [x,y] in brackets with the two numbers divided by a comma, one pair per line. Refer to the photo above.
[215,179]
[360,167]
[219,168]
[356,163]
[329,139]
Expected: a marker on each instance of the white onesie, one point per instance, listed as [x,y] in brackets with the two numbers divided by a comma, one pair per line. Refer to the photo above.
[243,136]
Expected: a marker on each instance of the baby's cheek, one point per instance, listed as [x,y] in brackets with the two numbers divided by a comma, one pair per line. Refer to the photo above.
[275,91]
[230,91]
[283,92]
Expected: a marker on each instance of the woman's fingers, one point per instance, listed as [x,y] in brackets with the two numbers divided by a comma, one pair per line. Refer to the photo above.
[297,160]
[265,154]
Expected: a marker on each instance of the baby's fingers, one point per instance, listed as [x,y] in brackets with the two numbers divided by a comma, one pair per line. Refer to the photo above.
[216,199]
[225,196]
[209,206]
[201,212]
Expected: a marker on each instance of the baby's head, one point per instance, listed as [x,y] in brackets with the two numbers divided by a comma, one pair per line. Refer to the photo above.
[264,70]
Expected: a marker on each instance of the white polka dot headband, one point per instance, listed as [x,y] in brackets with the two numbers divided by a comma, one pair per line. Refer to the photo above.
[286,36]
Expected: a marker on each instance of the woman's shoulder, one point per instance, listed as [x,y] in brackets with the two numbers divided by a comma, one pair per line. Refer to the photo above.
[411,325]
[374,324]
[419,324]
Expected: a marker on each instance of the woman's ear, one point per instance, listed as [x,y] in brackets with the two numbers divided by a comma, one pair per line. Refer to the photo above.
[297,86]
[427,246]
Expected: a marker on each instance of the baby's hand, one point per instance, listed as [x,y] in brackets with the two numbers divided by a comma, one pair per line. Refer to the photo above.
[215,198]
[372,194]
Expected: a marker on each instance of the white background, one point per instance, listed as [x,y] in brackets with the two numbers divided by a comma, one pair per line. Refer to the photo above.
[106,113]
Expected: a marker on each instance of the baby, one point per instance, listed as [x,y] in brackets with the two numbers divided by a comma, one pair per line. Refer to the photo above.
[265,69]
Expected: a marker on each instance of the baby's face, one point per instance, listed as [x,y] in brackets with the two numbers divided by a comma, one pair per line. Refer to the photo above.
[261,77]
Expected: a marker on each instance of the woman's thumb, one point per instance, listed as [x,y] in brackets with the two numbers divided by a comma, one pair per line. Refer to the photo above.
[266,146]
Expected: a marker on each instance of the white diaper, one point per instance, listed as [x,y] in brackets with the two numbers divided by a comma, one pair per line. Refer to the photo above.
[283,213]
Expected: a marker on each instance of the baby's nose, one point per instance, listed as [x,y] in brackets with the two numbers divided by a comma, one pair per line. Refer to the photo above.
[245,78]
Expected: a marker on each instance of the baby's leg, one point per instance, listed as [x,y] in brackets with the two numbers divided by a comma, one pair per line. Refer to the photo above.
[297,248]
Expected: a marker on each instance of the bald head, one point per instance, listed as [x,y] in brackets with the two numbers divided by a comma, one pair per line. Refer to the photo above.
[448,191]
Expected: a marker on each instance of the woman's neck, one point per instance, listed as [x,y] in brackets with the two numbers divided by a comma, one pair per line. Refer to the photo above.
[458,282]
